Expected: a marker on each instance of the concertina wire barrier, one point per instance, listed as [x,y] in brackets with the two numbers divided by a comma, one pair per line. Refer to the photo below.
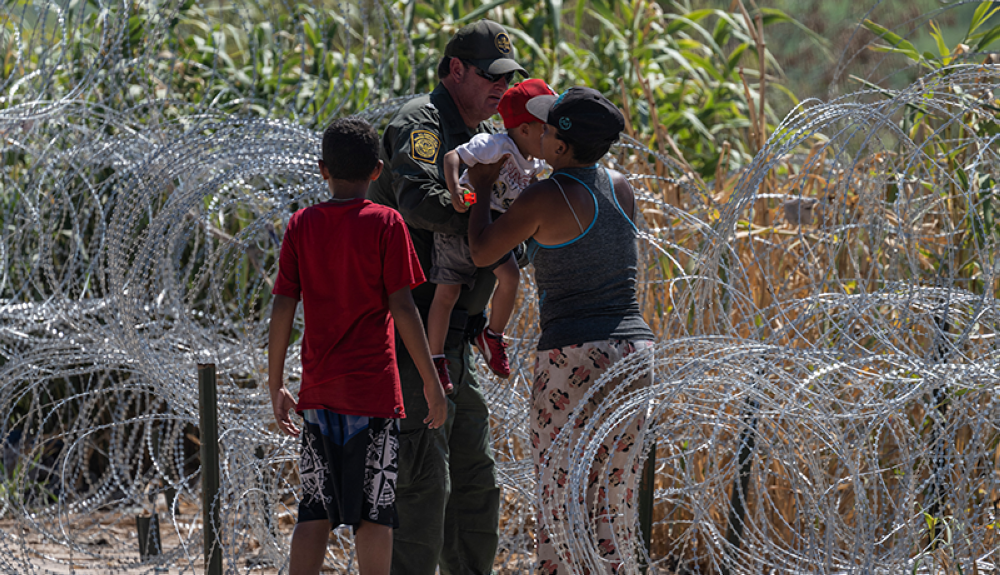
[824,396]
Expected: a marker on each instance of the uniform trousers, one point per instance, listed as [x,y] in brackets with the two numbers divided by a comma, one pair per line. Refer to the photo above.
[447,497]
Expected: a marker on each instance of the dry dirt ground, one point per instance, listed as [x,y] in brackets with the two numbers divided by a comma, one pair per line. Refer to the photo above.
[114,550]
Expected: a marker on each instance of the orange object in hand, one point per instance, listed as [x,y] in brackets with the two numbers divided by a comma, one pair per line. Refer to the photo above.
[469,197]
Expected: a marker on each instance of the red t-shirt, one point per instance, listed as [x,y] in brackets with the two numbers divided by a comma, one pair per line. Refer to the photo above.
[343,260]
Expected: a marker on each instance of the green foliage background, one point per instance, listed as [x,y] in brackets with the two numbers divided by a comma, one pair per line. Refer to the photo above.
[674,67]
[703,83]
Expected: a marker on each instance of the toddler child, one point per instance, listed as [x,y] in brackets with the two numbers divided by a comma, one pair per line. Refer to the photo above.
[452,261]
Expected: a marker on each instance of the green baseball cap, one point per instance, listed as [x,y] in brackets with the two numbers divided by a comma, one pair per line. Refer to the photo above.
[486,45]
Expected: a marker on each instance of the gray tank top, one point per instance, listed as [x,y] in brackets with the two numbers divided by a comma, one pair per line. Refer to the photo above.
[586,286]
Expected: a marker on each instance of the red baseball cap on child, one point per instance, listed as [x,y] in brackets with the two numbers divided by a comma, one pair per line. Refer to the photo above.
[512,104]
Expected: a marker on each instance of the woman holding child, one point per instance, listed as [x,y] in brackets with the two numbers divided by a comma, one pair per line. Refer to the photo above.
[580,227]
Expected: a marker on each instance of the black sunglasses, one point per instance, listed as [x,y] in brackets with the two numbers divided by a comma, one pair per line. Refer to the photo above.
[491,78]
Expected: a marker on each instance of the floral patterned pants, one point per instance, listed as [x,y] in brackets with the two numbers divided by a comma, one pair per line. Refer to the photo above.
[562,378]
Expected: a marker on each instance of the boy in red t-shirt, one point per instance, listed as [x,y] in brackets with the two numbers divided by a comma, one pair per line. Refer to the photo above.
[352,264]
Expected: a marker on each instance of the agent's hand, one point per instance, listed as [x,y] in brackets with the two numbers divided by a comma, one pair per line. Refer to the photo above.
[283,404]
[482,176]
[437,406]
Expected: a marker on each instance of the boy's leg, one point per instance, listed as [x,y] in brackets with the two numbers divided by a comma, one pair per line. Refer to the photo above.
[309,542]
[317,473]
[502,304]
[490,341]
[373,543]
[445,296]
[452,267]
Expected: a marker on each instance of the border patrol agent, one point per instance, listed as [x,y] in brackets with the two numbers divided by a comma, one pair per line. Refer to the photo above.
[446,492]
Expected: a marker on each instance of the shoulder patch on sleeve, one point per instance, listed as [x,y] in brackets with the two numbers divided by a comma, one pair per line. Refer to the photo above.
[424,146]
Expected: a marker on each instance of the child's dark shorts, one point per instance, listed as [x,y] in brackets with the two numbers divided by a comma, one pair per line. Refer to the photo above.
[348,469]
[451,261]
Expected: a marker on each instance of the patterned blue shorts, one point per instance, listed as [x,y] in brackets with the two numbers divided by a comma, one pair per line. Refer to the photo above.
[348,469]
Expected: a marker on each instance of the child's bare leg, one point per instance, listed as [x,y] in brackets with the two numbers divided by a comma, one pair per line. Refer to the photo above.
[439,316]
[309,542]
[502,304]
[373,543]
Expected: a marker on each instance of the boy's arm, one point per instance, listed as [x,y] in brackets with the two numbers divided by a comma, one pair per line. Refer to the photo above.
[411,329]
[452,162]
[282,401]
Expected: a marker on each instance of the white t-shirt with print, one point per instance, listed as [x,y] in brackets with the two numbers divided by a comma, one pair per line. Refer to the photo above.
[517,171]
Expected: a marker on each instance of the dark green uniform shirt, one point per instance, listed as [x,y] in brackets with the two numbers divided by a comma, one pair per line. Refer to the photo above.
[412,181]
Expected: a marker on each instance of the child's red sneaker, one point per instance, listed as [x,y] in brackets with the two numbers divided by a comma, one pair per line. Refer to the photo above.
[441,363]
[494,350]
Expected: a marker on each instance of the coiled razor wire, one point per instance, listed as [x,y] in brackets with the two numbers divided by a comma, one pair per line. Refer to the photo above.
[824,397]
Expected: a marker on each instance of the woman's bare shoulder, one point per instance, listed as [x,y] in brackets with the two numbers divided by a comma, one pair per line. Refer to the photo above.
[539,192]
[619,179]
[624,192]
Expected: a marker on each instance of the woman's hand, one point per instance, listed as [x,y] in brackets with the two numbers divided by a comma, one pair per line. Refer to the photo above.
[482,176]
[488,240]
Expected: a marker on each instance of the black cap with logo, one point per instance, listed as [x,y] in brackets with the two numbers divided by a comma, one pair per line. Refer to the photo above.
[486,45]
[580,114]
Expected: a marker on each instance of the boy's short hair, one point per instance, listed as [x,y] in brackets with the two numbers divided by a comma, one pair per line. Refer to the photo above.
[350,149]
